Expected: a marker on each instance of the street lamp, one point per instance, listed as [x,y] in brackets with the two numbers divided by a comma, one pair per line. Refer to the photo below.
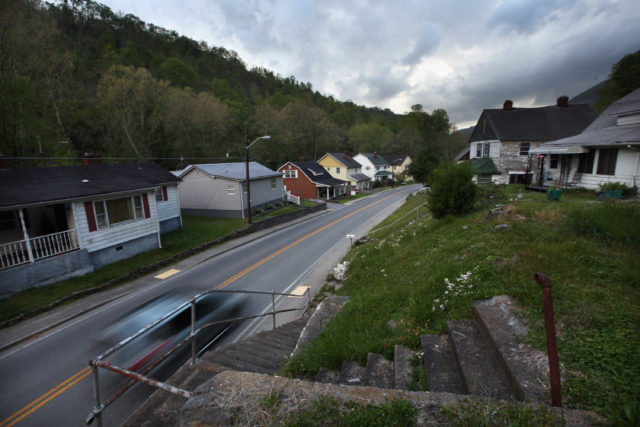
[246,149]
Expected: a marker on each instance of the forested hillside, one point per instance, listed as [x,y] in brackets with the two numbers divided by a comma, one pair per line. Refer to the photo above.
[77,77]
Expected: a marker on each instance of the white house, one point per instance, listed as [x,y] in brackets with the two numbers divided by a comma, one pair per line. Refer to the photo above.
[58,222]
[375,166]
[218,189]
[608,150]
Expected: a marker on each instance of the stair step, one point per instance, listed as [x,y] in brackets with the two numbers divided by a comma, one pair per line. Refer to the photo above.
[238,365]
[265,344]
[266,360]
[327,376]
[402,368]
[481,373]
[440,365]
[378,372]
[351,373]
[506,333]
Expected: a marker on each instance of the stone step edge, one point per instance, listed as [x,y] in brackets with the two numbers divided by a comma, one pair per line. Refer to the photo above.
[525,367]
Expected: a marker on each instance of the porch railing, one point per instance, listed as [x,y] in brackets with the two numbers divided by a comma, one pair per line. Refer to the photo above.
[33,249]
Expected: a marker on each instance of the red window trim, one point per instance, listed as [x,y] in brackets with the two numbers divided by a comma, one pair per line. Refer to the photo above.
[145,204]
[165,196]
[91,216]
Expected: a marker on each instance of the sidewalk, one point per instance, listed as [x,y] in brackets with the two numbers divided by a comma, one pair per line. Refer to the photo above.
[31,327]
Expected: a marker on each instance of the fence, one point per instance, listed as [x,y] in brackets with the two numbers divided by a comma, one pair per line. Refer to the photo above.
[33,249]
[99,361]
[292,198]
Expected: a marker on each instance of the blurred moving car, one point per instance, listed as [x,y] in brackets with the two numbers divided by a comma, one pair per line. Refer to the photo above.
[145,350]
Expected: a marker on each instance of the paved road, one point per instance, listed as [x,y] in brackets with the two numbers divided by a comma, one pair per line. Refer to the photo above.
[45,381]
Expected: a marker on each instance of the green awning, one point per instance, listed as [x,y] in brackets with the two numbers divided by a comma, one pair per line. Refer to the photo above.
[485,166]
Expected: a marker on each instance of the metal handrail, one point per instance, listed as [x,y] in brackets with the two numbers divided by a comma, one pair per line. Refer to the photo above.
[98,362]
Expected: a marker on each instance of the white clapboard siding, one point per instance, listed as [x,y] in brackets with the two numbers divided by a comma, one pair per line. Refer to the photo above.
[116,234]
[170,208]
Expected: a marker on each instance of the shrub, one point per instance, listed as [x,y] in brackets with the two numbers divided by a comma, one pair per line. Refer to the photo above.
[613,186]
[452,190]
[270,207]
[260,211]
[376,184]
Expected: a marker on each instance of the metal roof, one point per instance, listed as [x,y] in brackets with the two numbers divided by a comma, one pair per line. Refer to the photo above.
[235,171]
[359,177]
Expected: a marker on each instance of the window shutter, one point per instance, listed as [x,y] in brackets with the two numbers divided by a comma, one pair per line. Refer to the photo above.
[91,216]
[165,196]
[145,204]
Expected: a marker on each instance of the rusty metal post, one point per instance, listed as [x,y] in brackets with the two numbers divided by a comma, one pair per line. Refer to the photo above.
[552,348]
[193,330]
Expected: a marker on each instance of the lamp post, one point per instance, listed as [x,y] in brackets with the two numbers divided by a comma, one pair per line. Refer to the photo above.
[246,149]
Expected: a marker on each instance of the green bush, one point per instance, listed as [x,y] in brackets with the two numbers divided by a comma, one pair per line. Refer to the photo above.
[614,186]
[452,190]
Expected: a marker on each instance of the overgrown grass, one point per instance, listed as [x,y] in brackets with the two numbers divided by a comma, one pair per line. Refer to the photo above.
[480,413]
[195,231]
[327,412]
[423,272]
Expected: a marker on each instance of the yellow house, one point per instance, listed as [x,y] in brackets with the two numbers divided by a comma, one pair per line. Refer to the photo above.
[342,166]
[399,165]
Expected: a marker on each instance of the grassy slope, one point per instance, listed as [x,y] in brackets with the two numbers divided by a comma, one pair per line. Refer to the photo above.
[424,273]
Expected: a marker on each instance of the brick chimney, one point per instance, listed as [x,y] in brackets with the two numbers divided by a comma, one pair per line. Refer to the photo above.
[508,105]
[91,159]
[563,101]
[375,154]
[346,156]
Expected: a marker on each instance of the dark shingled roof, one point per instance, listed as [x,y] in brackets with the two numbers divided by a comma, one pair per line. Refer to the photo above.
[24,186]
[533,124]
[395,159]
[346,160]
[359,177]
[317,174]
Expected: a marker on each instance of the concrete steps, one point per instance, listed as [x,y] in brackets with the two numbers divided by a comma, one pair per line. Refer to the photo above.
[483,357]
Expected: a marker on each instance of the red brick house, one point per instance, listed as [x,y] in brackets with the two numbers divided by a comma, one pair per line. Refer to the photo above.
[309,180]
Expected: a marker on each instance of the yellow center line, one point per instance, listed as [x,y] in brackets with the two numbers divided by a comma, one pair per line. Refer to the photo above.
[45,398]
[79,376]
[289,246]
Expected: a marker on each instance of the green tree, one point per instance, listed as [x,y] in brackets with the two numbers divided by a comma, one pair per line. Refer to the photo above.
[369,137]
[452,189]
[178,73]
[623,79]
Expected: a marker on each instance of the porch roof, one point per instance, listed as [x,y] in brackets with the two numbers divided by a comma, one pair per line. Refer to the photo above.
[47,185]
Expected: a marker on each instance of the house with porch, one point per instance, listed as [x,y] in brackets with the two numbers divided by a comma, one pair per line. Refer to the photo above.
[59,222]
[399,165]
[342,166]
[219,189]
[309,180]
[506,136]
[374,165]
[608,150]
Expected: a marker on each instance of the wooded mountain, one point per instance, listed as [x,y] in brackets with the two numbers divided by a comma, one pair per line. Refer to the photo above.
[76,77]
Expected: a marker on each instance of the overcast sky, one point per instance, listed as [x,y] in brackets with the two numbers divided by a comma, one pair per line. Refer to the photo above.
[460,55]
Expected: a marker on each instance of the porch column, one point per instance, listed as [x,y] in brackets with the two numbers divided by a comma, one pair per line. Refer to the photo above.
[26,235]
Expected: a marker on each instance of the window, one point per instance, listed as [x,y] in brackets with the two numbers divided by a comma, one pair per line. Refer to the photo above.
[585,162]
[159,197]
[291,173]
[367,168]
[553,161]
[482,150]
[231,190]
[273,183]
[114,211]
[607,161]
[524,148]
[337,170]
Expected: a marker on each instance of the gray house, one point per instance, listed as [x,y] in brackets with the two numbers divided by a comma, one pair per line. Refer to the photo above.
[505,136]
[218,189]
[58,222]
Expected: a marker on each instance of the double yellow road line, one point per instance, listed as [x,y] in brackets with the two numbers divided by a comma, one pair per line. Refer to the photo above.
[70,382]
